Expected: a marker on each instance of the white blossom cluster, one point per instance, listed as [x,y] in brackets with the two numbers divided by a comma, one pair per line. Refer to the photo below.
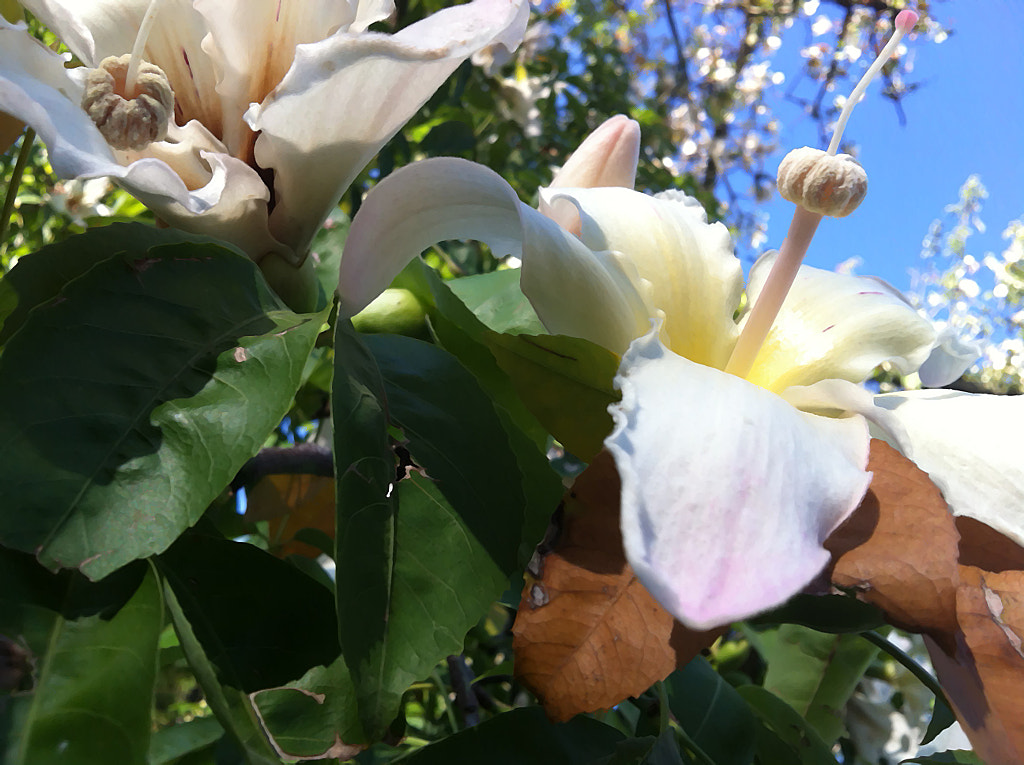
[979,298]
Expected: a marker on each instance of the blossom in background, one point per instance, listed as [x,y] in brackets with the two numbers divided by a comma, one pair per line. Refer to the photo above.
[277,107]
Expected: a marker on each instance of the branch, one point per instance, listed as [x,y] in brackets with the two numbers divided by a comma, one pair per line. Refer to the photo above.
[308,459]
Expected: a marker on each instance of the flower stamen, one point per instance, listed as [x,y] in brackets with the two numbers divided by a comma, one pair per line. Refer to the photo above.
[819,183]
[129,99]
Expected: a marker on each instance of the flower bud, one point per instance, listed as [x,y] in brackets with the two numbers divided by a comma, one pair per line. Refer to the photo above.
[129,120]
[827,184]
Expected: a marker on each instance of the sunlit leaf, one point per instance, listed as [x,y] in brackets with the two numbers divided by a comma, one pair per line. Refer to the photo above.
[130,399]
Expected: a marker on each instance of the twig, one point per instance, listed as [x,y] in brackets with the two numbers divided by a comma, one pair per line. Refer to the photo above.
[465,694]
[309,459]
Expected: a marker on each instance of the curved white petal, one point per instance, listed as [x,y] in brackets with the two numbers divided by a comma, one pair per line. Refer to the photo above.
[686,267]
[35,88]
[251,45]
[92,29]
[949,359]
[237,212]
[836,326]
[728,492]
[370,11]
[345,96]
[574,290]
[970,446]
[607,157]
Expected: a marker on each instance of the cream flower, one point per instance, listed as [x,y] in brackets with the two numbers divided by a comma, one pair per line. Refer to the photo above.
[277,106]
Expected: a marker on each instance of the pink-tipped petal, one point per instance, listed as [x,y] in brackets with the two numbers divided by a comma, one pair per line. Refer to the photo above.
[607,157]
[728,492]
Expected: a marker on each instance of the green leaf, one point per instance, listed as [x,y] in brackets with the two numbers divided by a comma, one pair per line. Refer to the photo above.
[498,302]
[40,277]
[825,613]
[129,401]
[952,756]
[942,718]
[784,737]
[648,750]
[566,382]
[260,620]
[93,691]
[232,707]
[713,714]
[524,737]
[427,554]
[170,744]
[316,716]
[815,673]
[326,249]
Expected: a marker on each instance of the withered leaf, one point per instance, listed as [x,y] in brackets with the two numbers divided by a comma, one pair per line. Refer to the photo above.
[984,675]
[291,503]
[898,550]
[588,634]
[986,548]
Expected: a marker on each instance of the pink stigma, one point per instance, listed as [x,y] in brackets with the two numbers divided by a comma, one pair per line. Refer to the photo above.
[905,20]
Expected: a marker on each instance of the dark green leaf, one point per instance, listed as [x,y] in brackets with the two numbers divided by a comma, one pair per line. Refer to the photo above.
[953,756]
[314,716]
[524,737]
[234,711]
[130,400]
[428,554]
[713,714]
[790,738]
[942,718]
[825,613]
[260,620]
[170,744]
[90,703]
[815,673]
[41,276]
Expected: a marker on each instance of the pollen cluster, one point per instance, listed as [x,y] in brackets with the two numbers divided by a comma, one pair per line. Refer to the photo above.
[129,120]
[827,184]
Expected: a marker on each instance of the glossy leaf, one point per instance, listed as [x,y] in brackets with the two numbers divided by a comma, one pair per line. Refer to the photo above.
[498,302]
[129,401]
[90,703]
[260,620]
[815,673]
[714,716]
[170,744]
[524,737]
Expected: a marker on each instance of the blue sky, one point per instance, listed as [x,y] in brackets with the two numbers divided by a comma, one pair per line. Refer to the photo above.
[966,117]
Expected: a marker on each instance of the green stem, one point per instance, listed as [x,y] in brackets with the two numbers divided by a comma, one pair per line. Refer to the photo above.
[909,663]
[664,720]
[448,708]
[12,188]
[665,724]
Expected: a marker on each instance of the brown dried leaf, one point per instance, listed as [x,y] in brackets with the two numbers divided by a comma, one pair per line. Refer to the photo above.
[588,634]
[984,547]
[984,675]
[899,548]
[291,503]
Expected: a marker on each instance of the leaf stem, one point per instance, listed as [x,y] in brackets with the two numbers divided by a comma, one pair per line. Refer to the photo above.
[909,663]
[448,708]
[27,140]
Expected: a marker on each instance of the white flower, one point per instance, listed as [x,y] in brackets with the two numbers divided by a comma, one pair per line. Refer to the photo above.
[729,490]
[278,106]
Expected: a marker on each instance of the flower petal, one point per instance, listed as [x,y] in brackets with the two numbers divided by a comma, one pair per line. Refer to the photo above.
[252,45]
[345,96]
[574,290]
[969,444]
[607,157]
[728,492]
[686,267]
[836,326]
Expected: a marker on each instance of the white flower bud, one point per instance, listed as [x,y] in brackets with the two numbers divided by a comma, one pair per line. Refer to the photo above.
[129,121]
[827,184]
